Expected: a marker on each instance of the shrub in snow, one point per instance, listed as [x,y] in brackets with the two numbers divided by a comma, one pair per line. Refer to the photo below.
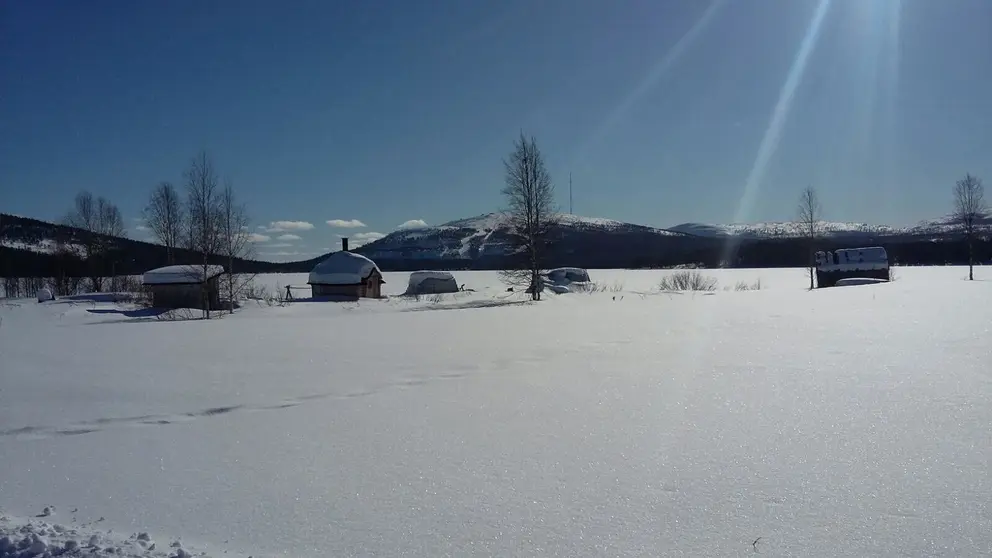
[688,280]
[745,286]
[590,287]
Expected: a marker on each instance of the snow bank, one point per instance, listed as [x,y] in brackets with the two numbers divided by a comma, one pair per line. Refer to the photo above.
[431,282]
[45,294]
[565,275]
[852,281]
[180,274]
[342,268]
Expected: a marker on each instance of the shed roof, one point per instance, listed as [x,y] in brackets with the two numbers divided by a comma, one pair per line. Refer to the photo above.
[342,268]
[180,274]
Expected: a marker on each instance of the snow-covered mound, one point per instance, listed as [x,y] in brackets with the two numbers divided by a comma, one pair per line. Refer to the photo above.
[342,268]
[431,282]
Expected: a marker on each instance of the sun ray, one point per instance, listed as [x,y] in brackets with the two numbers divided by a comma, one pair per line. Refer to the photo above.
[652,78]
[773,133]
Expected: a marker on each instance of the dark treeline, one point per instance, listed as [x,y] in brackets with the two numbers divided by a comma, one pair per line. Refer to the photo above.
[579,248]
[123,256]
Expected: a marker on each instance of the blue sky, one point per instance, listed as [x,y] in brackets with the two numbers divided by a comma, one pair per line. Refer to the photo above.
[397,110]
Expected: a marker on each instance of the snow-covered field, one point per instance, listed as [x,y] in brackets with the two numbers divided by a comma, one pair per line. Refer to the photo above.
[850,421]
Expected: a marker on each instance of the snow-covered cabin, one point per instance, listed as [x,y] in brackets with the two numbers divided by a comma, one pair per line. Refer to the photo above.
[431,282]
[862,263]
[182,286]
[346,275]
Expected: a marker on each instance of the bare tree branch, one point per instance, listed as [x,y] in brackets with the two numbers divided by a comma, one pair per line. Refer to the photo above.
[164,215]
[530,213]
[810,227]
[234,242]
[203,216]
[99,222]
[969,210]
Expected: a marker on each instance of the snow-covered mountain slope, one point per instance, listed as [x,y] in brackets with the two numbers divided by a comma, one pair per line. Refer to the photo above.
[771,230]
[487,235]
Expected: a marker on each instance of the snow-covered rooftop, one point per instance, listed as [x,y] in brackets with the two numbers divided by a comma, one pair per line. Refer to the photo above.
[342,268]
[179,274]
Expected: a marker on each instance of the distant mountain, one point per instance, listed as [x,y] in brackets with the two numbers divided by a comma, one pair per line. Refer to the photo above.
[487,236]
[767,231]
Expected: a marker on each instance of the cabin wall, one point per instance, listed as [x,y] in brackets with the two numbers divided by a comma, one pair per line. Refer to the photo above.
[347,292]
[187,295]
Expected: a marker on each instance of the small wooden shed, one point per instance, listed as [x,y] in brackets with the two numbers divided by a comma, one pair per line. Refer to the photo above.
[181,286]
[346,275]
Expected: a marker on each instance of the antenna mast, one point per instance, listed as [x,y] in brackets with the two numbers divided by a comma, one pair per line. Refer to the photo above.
[570,194]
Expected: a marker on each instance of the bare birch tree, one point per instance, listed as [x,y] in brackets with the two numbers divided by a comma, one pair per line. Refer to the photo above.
[203,218]
[810,227]
[99,222]
[969,210]
[164,215]
[530,213]
[234,244]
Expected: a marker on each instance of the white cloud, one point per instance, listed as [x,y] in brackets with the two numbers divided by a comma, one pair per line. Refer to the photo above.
[261,227]
[279,245]
[413,224]
[346,223]
[362,238]
[255,237]
[288,237]
[283,226]
[141,228]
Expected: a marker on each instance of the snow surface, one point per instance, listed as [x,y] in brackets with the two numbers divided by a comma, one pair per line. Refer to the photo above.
[627,423]
[342,268]
[177,274]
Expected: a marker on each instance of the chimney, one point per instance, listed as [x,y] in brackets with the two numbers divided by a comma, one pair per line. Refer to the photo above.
[344,244]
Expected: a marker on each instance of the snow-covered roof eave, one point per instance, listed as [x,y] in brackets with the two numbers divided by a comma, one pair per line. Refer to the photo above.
[343,268]
[180,275]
